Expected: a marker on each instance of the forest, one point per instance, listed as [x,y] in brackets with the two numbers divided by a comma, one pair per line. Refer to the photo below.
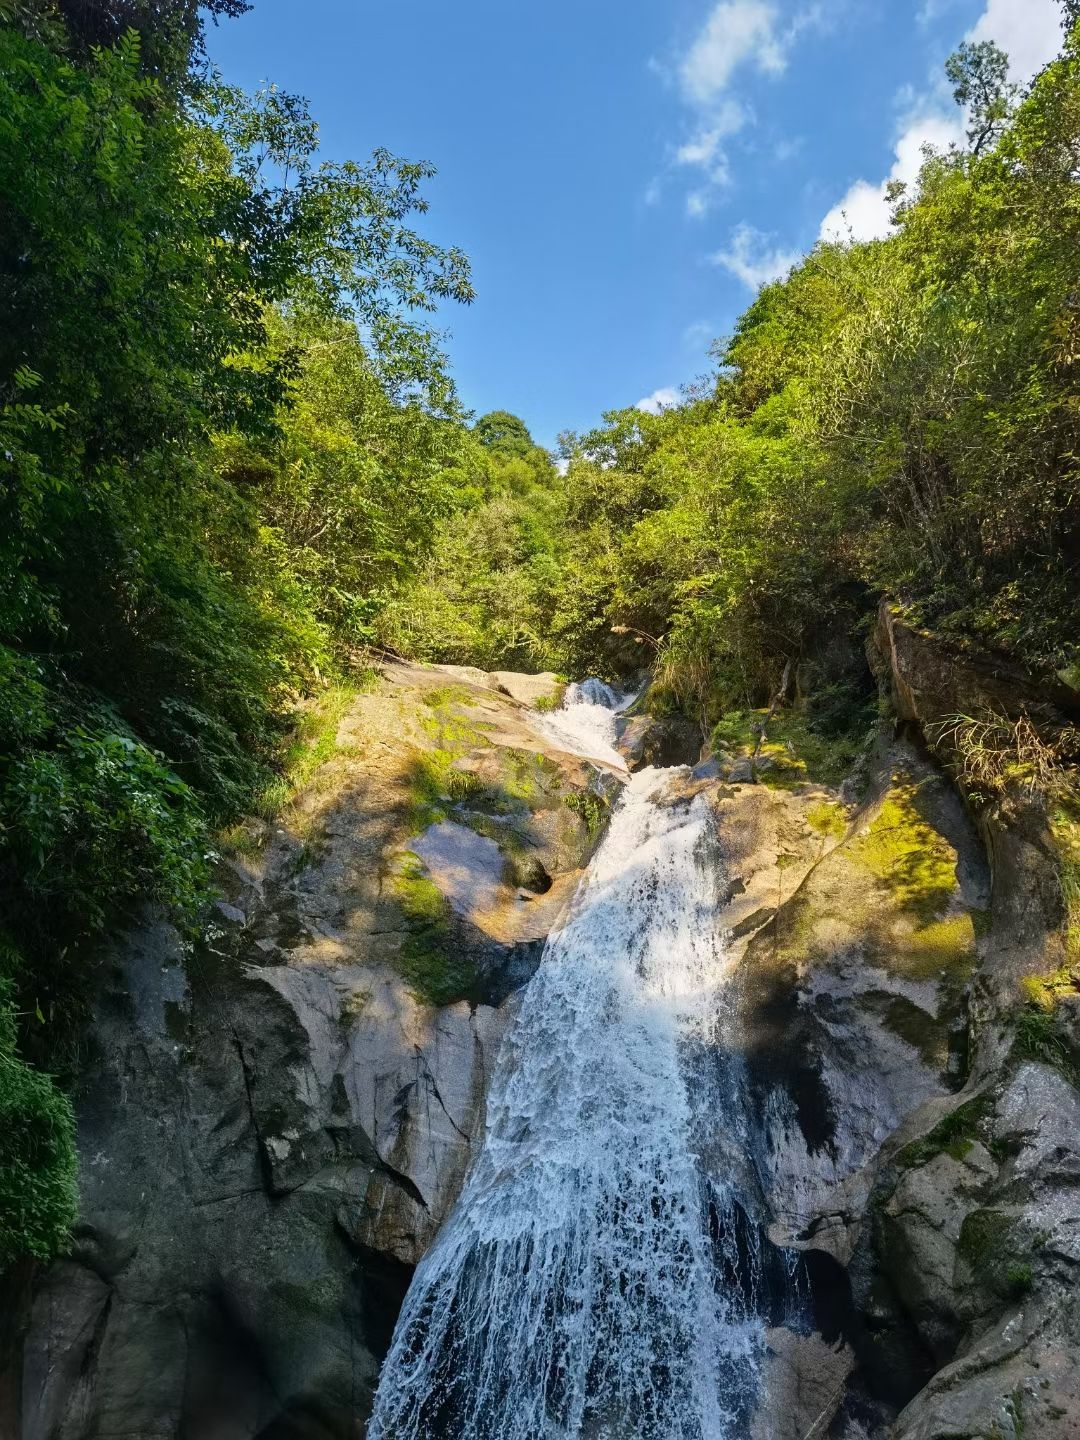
[236,474]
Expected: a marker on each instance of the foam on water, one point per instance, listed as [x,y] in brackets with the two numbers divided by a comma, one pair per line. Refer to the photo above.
[587,722]
[576,1290]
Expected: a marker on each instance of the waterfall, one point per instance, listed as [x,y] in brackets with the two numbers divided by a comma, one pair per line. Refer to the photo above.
[586,723]
[583,1285]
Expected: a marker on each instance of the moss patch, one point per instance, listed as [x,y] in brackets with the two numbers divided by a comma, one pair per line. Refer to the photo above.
[1065,829]
[953,1136]
[441,697]
[990,1243]
[429,960]
[505,834]
[944,948]
[908,855]
[437,784]
[797,747]
[827,819]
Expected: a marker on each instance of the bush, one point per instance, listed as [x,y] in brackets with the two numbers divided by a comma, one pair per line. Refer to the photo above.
[38,1197]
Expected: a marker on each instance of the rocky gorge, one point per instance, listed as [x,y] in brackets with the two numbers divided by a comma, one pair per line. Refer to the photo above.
[276,1117]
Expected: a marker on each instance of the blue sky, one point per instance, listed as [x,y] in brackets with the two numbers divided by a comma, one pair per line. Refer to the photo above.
[624,174]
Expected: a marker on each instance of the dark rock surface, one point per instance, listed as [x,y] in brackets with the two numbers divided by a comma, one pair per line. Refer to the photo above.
[660,740]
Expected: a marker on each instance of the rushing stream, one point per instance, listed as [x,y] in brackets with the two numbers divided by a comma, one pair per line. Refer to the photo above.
[585,1284]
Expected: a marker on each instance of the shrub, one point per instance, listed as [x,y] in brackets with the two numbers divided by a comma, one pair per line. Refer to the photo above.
[37,1154]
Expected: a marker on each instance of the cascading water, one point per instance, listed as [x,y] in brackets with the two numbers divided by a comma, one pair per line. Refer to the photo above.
[586,723]
[583,1286]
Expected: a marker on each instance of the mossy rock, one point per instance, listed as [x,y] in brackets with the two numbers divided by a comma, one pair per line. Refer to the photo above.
[908,855]
[430,960]
[994,1250]
[954,1135]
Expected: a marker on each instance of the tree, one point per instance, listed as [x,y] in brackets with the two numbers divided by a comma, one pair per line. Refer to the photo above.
[979,74]
[504,433]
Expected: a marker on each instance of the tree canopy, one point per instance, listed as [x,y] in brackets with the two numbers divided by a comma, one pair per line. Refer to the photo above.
[235,469]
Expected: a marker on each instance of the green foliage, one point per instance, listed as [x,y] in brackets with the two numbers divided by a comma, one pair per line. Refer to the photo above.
[896,417]
[979,73]
[592,809]
[1036,1036]
[489,594]
[504,433]
[210,484]
[37,1154]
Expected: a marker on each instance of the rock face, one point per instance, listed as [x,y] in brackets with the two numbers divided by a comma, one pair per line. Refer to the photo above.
[659,740]
[916,1151]
[853,939]
[981,1240]
[274,1121]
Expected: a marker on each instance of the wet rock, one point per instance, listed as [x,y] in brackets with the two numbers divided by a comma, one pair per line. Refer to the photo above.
[804,1379]
[659,740]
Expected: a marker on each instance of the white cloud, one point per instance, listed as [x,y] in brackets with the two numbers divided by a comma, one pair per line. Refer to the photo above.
[737,32]
[704,151]
[662,399]
[754,259]
[787,147]
[864,212]
[704,147]
[1029,31]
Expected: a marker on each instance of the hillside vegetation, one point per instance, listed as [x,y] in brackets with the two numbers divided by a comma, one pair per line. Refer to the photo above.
[235,470]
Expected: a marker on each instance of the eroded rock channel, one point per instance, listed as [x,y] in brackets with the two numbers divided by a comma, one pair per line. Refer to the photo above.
[854,1207]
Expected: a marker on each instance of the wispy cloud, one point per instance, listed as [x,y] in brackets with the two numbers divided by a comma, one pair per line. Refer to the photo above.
[787,147]
[754,258]
[737,32]
[662,399]
[1028,30]
[699,334]
[738,38]
[931,10]
[704,150]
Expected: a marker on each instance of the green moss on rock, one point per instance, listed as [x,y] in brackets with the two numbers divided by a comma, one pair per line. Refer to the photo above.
[953,1136]
[908,855]
[429,959]
[827,819]
[993,1248]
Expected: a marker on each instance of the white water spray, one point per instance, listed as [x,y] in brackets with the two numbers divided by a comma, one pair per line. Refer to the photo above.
[587,723]
[575,1290]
